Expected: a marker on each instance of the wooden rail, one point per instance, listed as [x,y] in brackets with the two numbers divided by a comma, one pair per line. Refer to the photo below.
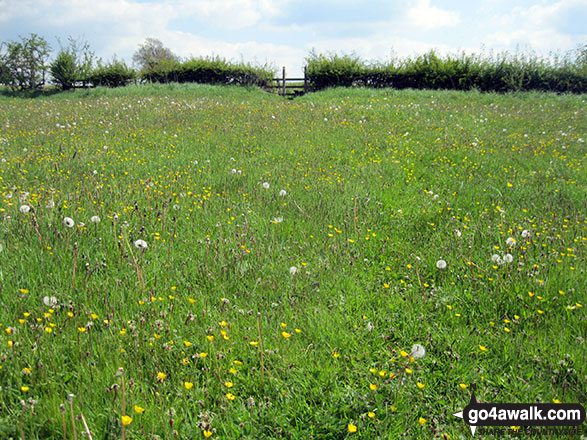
[290,90]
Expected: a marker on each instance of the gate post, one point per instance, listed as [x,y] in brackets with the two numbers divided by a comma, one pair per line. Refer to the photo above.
[283,94]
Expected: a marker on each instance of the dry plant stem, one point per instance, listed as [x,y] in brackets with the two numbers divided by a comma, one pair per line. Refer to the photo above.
[73,421]
[123,402]
[261,354]
[88,433]
[64,426]
[75,252]
[20,424]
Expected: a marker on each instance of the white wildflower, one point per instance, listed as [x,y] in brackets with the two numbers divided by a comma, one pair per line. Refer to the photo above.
[525,233]
[95,219]
[25,209]
[508,258]
[282,193]
[68,221]
[141,244]
[50,204]
[50,301]
[441,264]
[418,351]
[511,242]
[266,185]
[495,258]
[293,270]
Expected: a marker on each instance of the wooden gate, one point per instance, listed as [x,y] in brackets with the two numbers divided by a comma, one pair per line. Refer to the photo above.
[290,87]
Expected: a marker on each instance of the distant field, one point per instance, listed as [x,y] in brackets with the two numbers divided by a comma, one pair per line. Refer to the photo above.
[264,268]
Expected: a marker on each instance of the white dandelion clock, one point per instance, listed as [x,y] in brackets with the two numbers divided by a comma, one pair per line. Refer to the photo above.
[25,209]
[441,264]
[511,241]
[50,301]
[278,220]
[266,185]
[418,351]
[95,219]
[293,270]
[525,233]
[495,258]
[50,204]
[283,193]
[68,221]
[141,244]
[508,258]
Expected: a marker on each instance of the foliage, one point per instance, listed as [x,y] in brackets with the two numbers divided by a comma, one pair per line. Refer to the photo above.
[501,73]
[73,64]
[209,70]
[151,54]
[112,74]
[64,69]
[24,63]
[287,310]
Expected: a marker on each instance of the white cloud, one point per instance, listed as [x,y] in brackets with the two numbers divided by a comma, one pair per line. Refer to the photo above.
[425,16]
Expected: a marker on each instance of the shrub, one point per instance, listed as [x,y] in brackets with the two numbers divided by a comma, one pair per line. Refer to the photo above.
[333,70]
[64,70]
[502,73]
[114,74]
[211,70]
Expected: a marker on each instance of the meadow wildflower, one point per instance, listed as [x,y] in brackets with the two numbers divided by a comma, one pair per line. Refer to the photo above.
[68,221]
[511,242]
[293,270]
[50,204]
[188,385]
[441,264]
[508,258]
[24,209]
[266,185]
[525,233]
[141,244]
[50,301]
[126,420]
[95,219]
[352,428]
[283,193]
[418,351]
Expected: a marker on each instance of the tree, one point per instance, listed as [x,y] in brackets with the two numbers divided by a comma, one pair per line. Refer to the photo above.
[72,64]
[151,53]
[24,64]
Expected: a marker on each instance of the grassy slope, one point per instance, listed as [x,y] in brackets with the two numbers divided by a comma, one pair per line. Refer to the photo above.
[359,223]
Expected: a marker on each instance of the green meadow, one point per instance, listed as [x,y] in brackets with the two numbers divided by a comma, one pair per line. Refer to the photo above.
[217,262]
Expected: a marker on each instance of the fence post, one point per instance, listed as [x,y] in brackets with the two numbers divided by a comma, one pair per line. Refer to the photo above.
[283,94]
[305,81]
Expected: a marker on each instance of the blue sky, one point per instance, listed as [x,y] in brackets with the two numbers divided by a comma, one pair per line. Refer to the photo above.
[283,32]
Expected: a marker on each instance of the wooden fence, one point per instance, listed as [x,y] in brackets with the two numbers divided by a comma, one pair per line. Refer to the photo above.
[285,87]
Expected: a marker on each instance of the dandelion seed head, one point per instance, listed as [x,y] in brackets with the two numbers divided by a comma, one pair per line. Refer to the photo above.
[508,258]
[141,244]
[418,351]
[511,242]
[24,209]
[293,270]
[95,219]
[283,193]
[266,185]
[68,221]
[441,264]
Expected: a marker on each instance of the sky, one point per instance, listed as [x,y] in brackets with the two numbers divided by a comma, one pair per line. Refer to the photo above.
[284,32]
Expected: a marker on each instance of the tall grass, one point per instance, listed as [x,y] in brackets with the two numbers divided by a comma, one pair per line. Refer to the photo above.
[292,261]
